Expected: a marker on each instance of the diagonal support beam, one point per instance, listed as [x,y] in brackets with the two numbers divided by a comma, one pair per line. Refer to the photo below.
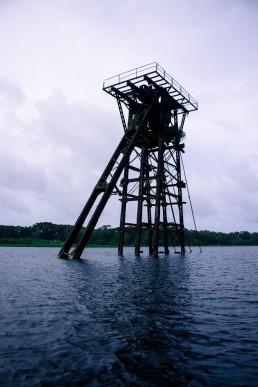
[121,114]
[76,253]
[98,189]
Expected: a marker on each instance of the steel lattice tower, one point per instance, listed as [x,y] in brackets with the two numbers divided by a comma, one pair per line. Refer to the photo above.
[148,158]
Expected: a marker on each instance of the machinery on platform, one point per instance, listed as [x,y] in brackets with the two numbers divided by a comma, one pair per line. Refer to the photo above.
[146,168]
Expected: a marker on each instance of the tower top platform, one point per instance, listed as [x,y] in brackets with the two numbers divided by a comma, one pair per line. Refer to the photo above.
[158,77]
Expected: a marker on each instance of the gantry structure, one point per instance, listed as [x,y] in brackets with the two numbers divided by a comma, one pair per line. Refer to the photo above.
[145,170]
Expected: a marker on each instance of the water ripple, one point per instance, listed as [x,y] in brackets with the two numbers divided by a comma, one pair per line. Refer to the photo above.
[127,321]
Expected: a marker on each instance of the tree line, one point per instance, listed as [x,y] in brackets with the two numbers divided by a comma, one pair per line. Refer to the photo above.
[49,234]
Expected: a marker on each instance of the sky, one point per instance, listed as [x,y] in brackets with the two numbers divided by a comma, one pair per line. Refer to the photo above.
[59,128]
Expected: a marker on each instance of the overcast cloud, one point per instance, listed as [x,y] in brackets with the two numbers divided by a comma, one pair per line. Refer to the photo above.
[59,129]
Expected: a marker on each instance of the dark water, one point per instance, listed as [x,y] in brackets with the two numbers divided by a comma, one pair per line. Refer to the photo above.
[105,320]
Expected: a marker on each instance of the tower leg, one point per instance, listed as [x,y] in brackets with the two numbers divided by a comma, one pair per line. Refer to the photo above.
[165,226]
[180,204]
[140,204]
[159,183]
[179,184]
[123,210]
[149,205]
[64,252]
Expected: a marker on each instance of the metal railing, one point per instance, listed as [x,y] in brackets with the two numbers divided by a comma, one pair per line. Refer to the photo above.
[153,70]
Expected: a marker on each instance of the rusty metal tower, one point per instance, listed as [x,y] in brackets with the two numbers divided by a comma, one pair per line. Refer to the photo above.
[153,108]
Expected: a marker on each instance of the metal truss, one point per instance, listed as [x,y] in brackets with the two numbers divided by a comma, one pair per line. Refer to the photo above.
[148,158]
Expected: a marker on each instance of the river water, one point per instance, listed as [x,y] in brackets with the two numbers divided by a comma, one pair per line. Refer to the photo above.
[126,321]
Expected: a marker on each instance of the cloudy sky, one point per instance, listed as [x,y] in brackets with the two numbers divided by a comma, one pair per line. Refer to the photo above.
[59,129]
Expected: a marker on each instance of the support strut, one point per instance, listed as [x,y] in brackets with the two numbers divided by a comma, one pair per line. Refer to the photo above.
[125,147]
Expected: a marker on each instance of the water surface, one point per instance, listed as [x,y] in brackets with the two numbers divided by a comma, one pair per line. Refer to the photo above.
[128,321]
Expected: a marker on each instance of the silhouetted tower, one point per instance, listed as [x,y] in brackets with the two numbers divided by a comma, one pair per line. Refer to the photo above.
[148,158]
